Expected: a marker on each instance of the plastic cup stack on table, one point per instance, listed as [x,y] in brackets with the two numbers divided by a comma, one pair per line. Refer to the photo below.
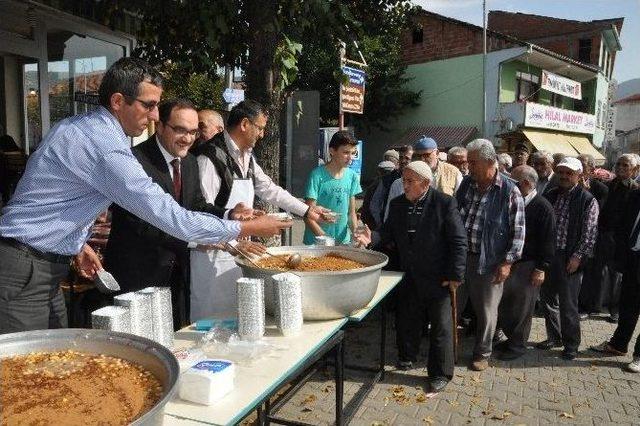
[250,292]
[288,297]
[140,307]
[323,240]
[112,318]
[161,314]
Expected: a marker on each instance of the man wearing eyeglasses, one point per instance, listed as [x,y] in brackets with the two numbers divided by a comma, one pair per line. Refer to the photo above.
[83,165]
[140,255]
[229,174]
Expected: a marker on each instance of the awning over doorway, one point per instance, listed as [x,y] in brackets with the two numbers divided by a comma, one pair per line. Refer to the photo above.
[445,136]
[583,146]
[551,142]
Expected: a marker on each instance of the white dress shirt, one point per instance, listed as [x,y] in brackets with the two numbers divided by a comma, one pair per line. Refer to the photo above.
[167,157]
[265,188]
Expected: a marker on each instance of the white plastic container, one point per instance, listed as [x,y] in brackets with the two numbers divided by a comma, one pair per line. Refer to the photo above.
[208,381]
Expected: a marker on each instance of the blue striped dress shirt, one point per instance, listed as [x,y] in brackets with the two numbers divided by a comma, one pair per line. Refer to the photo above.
[81,167]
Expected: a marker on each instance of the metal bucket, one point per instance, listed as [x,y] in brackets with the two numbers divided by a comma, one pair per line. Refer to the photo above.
[326,294]
[151,355]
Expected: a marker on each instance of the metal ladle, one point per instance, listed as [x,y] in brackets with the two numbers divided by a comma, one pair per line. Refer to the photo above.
[292,261]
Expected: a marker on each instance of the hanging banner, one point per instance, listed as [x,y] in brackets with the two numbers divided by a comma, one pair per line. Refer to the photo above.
[561,85]
[352,93]
[546,117]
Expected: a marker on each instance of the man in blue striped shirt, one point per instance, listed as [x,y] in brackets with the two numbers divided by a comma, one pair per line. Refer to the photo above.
[82,166]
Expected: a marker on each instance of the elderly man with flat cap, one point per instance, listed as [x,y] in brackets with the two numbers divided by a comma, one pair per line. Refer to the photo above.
[425,228]
[576,214]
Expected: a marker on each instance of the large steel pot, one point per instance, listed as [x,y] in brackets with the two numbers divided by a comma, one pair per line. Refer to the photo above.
[151,355]
[326,295]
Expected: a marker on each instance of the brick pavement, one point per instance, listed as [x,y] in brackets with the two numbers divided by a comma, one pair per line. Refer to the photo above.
[539,388]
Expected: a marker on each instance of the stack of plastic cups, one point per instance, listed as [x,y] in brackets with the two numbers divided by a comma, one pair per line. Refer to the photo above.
[288,298]
[161,314]
[140,307]
[250,292]
[112,318]
[323,240]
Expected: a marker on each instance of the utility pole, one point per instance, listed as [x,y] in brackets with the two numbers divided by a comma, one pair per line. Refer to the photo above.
[484,68]
[343,56]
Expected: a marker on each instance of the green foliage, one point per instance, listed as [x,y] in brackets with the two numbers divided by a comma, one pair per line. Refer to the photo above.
[385,94]
[204,90]
[286,55]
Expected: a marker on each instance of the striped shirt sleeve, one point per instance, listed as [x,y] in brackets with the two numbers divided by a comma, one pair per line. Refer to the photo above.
[119,177]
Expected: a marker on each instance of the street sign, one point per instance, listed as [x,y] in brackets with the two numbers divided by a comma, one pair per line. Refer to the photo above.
[233,96]
[352,93]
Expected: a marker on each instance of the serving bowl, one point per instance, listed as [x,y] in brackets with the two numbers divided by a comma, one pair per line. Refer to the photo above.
[325,294]
[152,356]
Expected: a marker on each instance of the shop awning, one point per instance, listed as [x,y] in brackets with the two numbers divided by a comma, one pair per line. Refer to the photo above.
[583,146]
[445,136]
[551,142]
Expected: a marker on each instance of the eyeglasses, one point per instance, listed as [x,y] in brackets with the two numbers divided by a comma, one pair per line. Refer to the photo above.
[181,131]
[419,156]
[260,128]
[148,105]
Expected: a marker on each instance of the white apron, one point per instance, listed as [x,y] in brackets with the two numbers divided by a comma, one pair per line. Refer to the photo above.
[214,273]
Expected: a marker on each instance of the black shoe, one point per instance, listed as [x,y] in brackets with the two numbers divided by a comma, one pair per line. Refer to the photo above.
[437,384]
[583,316]
[548,344]
[404,365]
[509,355]
[502,346]
[613,318]
[569,355]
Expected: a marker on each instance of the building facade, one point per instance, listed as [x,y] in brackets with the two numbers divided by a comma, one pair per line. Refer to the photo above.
[522,90]
[52,58]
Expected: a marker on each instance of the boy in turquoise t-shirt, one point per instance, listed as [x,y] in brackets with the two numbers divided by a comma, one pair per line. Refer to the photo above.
[334,186]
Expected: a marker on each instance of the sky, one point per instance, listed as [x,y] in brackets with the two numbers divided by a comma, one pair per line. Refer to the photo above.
[627,65]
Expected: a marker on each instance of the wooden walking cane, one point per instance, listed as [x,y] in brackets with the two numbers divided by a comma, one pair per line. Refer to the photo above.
[454,314]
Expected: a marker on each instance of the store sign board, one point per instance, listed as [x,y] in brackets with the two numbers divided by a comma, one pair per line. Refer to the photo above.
[352,92]
[561,85]
[546,117]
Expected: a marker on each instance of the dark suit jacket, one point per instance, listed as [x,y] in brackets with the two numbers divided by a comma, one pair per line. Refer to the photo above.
[439,249]
[624,229]
[138,254]
[599,191]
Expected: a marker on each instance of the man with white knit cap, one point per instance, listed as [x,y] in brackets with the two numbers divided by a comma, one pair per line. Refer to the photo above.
[446,177]
[425,229]
[576,213]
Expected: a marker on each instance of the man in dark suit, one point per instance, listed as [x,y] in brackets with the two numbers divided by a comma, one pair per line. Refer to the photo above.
[627,241]
[522,287]
[140,255]
[426,230]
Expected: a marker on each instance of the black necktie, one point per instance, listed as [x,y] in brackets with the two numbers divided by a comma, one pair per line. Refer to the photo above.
[177,178]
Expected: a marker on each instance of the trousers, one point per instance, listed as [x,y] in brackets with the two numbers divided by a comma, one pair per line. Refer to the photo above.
[559,297]
[629,307]
[30,293]
[412,303]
